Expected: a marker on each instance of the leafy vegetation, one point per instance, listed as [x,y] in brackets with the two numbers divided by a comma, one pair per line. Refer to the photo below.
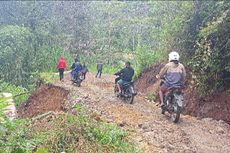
[47,77]
[145,57]
[69,133]
[14,137]
[95,31]
[34,34]
[209,59]
[20,94]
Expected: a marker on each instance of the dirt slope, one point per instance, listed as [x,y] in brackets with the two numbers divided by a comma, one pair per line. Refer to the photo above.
[147,82]
[45,98]
[216,106]
[150,131]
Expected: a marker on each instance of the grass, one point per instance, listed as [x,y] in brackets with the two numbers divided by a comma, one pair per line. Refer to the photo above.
[71,133]
[48,77]
[64,133]
[151,97]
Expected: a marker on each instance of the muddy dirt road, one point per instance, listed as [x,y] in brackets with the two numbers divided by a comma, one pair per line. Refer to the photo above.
[149,130]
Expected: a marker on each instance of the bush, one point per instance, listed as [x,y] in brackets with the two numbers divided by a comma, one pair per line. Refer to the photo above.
[48,57]
[72,133]
[21,58]
[14,138]
[20,94]
[145,57]
[16,54]
[209,54]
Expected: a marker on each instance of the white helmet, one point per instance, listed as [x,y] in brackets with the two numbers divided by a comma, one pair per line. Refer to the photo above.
[174,56]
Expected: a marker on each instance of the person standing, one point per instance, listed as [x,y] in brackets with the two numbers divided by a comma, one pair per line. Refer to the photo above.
[84,70]
[99,70]
[61,67]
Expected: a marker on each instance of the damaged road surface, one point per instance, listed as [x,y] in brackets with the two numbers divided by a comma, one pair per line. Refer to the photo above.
[148,129]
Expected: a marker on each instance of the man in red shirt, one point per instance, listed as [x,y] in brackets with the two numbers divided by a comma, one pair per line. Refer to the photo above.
[61,67]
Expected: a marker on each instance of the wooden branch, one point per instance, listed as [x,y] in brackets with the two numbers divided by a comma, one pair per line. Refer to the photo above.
[21,94]
[39,117]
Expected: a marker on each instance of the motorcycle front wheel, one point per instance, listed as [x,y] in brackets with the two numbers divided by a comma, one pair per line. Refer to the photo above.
[175,116]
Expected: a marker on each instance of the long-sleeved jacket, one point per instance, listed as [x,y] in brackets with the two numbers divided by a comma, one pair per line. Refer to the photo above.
[126,74]
[61,63]
[174,74]
[99,66]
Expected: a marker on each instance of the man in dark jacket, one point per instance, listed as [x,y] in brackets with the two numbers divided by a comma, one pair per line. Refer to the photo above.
[75,68]
[84,70]
[99,70]
[125,74]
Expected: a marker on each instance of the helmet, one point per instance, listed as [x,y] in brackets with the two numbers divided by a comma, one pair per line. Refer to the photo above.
[174,56]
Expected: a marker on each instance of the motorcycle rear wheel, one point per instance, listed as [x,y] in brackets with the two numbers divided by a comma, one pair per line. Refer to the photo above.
[116,91]
[130,96]
[162,110]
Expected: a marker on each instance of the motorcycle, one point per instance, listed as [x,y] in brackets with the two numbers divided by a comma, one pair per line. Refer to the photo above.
[173,103]
[127,91]
[78,79]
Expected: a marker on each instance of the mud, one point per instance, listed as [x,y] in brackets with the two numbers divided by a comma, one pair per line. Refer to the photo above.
[44,99]
[216,106]
[148,129]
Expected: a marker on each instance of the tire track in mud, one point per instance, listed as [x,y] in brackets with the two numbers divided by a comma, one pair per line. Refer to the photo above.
[149,130]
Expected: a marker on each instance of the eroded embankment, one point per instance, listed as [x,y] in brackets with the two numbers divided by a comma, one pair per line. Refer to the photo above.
[216,106]
[45,98]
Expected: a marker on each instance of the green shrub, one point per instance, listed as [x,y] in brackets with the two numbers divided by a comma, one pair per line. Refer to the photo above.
[71,133]
[20,94]
[14,138]
[48,77]
[48,57]
[151,97]
[16,54]
[145,57]
[22,57]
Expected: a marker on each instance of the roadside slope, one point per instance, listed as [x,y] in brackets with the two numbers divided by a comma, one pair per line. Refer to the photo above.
[148,129]
[216,105]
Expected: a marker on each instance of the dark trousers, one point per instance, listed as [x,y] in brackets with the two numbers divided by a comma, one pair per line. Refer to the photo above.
[117,79]
[99,72]
[61,73]
[84,74]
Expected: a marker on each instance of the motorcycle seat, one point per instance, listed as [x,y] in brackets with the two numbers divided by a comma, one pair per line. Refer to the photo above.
[176,90]
[127,83]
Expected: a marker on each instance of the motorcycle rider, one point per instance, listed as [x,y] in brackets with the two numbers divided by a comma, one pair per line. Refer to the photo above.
[125,76]
[76,68]
[173,74]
